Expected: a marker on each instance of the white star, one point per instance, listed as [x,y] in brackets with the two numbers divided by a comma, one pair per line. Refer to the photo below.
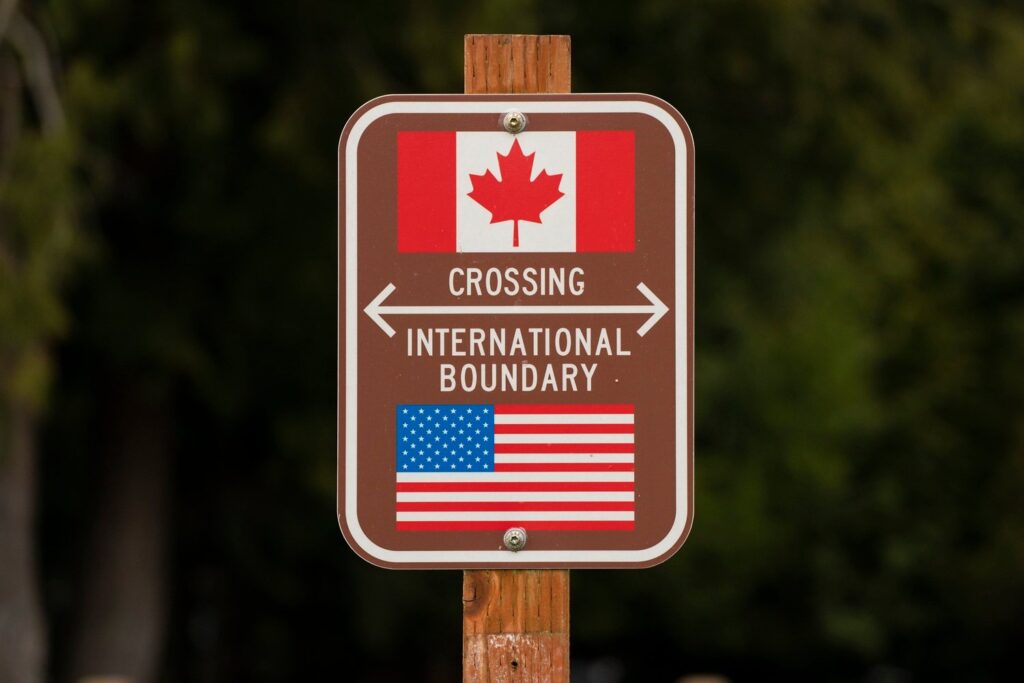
[421,466]
[405,467]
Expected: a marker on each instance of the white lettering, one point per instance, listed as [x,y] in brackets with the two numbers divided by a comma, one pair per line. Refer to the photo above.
[530,281]
[447,377]
[456,291]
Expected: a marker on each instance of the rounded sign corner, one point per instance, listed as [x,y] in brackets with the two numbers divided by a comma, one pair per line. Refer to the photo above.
[675,545]
[358,548]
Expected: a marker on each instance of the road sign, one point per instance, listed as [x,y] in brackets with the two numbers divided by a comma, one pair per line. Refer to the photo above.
[515,331]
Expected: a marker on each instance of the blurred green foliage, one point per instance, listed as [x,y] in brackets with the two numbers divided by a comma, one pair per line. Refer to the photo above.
[38,247]
[860,327]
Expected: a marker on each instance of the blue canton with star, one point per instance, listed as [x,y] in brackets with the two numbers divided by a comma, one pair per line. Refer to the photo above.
[444,438]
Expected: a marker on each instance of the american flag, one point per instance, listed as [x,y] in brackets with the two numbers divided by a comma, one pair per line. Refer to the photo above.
[491,467]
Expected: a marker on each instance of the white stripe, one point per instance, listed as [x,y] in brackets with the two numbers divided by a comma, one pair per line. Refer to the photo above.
[555,458]
[568,419]
[495,477]
[563,438]
[518,515]
[515,496]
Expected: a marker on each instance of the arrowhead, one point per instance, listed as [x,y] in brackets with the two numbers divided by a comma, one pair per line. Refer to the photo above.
[658,309]
[373,310]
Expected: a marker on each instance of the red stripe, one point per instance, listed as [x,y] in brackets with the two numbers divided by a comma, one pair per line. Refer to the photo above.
[563,448]
[563,467]
[502,526]
[605,190]
[563,429]
[496,506]
[516,486]
[621,409]
[426,191]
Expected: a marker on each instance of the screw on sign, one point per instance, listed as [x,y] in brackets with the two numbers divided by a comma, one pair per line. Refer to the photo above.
[515,539]
[514,121]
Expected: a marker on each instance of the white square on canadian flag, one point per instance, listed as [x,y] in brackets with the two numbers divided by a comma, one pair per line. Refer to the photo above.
[579,196]
[477,152]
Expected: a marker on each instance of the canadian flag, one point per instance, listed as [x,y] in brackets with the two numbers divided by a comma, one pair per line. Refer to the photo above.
[533,192]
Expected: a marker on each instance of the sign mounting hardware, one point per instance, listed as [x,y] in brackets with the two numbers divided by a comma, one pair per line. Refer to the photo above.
[514,121]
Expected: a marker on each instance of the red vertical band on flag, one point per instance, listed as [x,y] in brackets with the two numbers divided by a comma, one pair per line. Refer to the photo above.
[605,190]
[426,191]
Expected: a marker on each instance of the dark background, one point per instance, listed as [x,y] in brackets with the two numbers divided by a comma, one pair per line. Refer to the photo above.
[167,336]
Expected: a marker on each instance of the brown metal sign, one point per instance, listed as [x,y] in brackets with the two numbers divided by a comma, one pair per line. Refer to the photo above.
[515,352]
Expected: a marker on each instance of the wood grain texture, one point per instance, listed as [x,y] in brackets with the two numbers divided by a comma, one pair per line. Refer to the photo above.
[515,624]
[517,64]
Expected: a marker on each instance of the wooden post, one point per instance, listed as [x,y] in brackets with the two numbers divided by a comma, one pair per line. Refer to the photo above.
[515,623]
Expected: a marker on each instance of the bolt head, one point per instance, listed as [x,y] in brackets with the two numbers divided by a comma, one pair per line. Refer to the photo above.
[515,539]
[514,121]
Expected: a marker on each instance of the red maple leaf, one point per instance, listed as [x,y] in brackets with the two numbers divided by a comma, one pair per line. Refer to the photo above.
[515,197]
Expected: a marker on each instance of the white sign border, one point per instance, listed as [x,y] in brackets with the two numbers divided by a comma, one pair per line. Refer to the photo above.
[457,558]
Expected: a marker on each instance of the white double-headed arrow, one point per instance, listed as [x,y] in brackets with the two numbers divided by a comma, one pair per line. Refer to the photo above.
[655,309]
